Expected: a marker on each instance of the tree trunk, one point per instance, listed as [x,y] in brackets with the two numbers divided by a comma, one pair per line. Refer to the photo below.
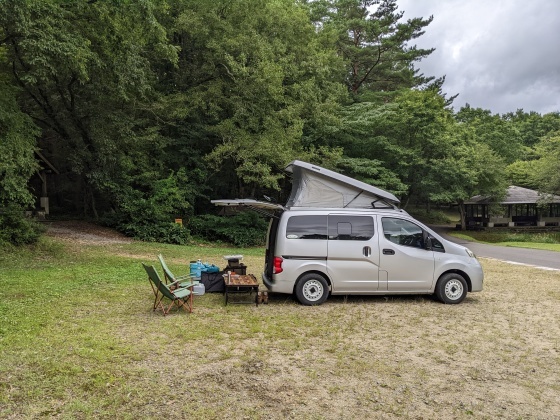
[461,204]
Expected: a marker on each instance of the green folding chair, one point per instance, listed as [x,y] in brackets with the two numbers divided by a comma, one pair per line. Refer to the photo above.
[173,280]
[181,297]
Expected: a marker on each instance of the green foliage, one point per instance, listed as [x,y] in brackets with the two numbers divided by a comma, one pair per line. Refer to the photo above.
[17,144]
[243,229]
[508,236]
[118,95]
[497,133]
[548,172]
[84,69]
[150,215]
[371,171]
[375,45]
[16,229]
[533,126]
[430,217]
[523,173]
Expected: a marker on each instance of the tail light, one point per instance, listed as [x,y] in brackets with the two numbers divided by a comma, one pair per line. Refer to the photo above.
[277,268]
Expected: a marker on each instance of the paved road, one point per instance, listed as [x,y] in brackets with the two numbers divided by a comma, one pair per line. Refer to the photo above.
[536,257]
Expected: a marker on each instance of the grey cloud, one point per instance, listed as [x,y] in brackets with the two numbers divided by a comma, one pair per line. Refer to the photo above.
[498,55]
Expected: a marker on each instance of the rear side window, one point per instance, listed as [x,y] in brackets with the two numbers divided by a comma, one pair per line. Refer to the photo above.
[350,228]
[307,227]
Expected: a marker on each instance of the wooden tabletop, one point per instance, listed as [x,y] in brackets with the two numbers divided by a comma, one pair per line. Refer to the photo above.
[241,280]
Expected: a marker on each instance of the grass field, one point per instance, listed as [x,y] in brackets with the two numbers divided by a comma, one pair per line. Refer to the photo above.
[546,240]
[78,339]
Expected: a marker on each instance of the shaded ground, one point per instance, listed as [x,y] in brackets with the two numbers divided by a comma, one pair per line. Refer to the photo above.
[86,233]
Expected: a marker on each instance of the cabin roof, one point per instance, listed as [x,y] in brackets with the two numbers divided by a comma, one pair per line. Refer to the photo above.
[517,195]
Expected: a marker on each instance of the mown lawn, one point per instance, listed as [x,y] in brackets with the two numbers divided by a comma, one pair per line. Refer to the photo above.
[548,241]
[78,339]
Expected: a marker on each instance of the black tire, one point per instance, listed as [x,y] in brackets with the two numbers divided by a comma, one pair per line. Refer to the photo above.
[312,289]
[451,288]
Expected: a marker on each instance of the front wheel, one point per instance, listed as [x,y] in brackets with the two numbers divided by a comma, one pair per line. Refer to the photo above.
[451,288]
[312,289]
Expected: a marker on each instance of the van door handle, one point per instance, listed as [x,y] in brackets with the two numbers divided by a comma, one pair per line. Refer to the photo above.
[367,251]
[388,252]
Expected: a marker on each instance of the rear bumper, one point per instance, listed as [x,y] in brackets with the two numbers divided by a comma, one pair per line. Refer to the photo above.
[267,282]
[278,286]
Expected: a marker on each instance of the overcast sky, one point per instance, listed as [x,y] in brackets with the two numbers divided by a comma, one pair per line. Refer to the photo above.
[500,55]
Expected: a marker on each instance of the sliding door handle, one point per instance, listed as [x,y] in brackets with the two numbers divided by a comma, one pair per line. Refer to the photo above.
[388,252]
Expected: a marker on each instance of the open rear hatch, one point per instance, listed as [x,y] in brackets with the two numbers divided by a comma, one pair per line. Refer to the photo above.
[262,207]
[268,209]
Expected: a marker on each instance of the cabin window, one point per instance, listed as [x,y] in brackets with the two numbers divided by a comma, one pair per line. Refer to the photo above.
[307,227]
[350,228]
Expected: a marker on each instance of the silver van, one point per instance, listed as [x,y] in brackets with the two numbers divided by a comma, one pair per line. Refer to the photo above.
[339,236]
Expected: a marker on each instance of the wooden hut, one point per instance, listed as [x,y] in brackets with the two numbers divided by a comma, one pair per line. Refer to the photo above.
[520,207]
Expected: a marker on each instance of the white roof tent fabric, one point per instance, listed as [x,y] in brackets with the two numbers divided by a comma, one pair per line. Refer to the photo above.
[313,186]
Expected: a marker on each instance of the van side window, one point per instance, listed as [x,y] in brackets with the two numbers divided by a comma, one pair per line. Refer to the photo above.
[307,227]
[402,232]
[350,228]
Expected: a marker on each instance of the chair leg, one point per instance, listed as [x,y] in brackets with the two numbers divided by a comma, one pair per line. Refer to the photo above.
[191,302]
[182,304]
[156,293]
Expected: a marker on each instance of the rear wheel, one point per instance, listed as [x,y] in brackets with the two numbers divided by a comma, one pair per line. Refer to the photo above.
[312,289]
[451,288]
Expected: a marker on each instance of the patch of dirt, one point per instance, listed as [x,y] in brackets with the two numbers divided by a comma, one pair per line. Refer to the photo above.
[85,233]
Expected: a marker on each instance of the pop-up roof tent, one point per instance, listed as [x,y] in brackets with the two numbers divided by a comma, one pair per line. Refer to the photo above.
[313,186]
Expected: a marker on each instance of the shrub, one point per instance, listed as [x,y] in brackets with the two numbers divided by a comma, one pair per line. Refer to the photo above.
[243,229]
[16,229]
[432,217]
[149,215]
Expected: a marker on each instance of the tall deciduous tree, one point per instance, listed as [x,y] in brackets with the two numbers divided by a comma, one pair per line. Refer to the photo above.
[498,134]
[17,145]
[253,78]
[548,168]
[85,72]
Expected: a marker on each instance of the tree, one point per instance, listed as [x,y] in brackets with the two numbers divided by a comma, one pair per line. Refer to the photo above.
[548,172]
[499,134]
[17,165]
[374,43]
[406,137]
[253,77]
[17,145]
[533,126]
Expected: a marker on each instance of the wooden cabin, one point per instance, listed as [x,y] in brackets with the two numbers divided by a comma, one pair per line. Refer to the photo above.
[520,207]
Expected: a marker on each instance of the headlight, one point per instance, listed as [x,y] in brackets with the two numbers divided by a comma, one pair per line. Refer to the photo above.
[470,253]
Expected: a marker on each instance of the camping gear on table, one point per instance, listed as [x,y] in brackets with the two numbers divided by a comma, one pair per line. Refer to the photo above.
[234,265]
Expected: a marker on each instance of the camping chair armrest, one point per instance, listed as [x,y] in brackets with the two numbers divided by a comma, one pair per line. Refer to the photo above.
[175,283]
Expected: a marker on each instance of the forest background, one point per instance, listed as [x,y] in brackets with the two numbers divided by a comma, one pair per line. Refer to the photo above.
[149,109]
